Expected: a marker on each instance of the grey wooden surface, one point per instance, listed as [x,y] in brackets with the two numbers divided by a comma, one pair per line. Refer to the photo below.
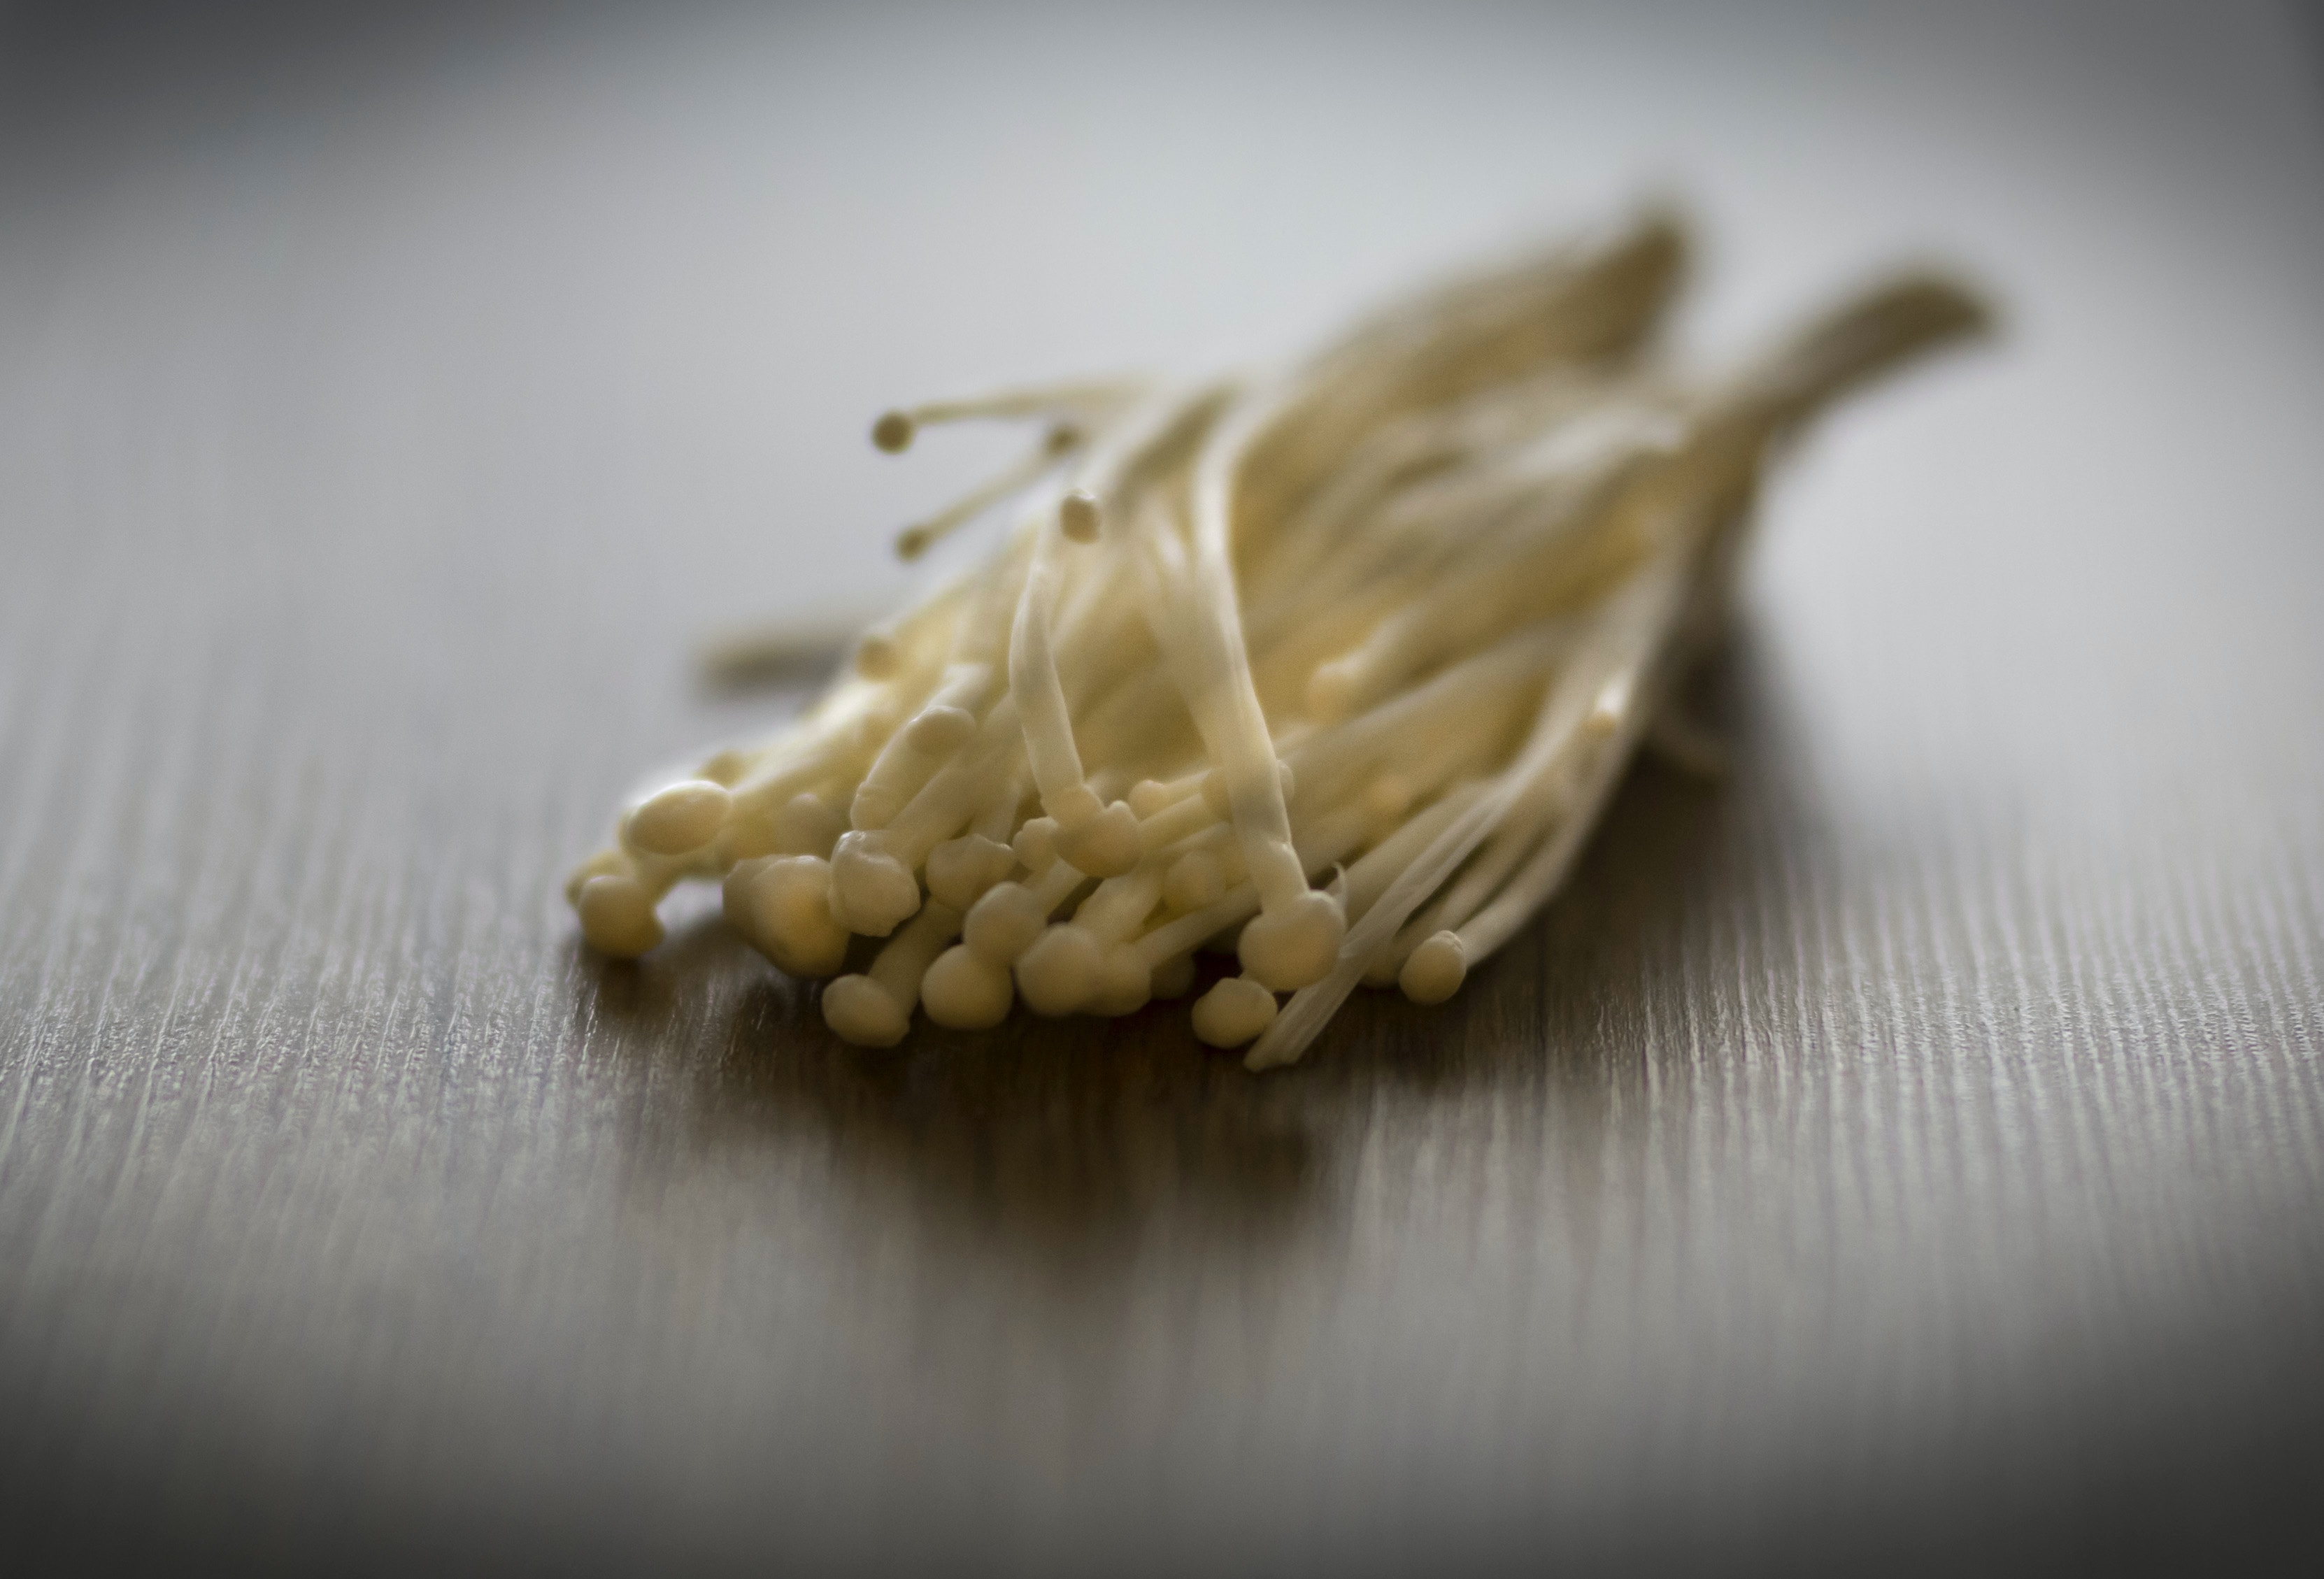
[1908,1149]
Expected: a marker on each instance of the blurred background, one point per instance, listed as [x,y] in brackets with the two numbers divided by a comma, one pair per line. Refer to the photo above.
[1909,1151]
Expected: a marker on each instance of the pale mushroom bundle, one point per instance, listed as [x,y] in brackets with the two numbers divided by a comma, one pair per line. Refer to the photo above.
[1329,667]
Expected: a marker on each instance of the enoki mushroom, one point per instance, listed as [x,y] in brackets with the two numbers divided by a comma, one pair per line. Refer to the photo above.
[1330,666]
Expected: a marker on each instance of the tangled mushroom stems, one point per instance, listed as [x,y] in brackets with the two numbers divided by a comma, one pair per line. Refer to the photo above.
[1328,667]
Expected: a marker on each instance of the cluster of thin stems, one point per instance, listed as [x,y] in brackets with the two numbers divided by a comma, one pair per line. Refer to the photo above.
[1329,667]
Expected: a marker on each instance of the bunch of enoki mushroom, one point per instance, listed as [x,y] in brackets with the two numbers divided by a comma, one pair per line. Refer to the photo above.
[1330,666]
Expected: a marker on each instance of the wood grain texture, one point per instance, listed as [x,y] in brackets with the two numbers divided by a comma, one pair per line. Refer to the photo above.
[1908,1149]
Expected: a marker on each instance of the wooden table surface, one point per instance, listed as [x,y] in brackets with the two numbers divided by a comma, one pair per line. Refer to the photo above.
[1907,1150]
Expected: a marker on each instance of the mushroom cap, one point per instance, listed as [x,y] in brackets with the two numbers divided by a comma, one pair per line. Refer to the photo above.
[1294,945]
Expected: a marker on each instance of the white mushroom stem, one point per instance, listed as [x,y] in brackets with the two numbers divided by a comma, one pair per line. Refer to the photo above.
[1490,927]
[923,535]
[874,1010]
[945,723]
[1227,707]
[1634,626]
[895,429]
[1369,878]
[881,648]
[873,882]
[1041,698]
[1329,843]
